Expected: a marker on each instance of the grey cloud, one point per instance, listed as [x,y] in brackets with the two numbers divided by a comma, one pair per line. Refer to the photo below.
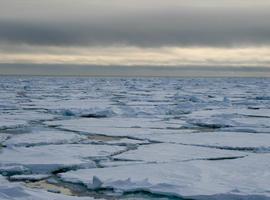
[165,25]
[92,70]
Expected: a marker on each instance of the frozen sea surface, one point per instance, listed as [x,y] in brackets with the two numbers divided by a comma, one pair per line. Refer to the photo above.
[134,138]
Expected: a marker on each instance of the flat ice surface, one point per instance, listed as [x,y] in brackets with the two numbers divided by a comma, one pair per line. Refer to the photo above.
[195,179]
[47,158]
[43,137]
[204,138]
[241,141]
[174,152]
[131,127]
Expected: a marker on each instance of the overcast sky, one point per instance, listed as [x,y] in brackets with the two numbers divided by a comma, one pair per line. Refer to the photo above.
[178,33]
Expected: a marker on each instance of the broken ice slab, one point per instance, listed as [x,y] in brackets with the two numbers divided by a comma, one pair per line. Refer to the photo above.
[244,178]
[222,140]
[21,118]
[233,111]
[256,121]
[250,124]
[165,152]
[118,126]
[120,123]
[43,137]
[48,158]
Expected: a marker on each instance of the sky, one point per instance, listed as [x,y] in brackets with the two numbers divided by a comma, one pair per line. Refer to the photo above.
[135,36]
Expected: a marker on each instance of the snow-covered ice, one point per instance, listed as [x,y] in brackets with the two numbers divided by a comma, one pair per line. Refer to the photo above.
[258,142]
[130,127]
[162,153]
[48,158]
[43,137]
[198,138]
[238,179]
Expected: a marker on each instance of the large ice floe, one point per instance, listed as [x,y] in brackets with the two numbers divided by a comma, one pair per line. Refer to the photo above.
[176,152]
[198,179]
[130,127]
[48,158]
[134,138]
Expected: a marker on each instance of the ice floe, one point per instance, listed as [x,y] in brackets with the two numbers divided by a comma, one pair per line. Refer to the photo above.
[45,159]
[165,152]
[43,137]
[223,140]
[197,138]
[198,179]
[117,126]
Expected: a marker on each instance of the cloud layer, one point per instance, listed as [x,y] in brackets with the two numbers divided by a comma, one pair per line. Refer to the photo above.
[176,33]
[136,22]
[130,56]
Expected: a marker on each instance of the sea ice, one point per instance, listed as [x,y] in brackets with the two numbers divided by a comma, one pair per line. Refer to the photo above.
[16,191]
[244,178]
[7,123]
[198,138]
[44,137]
[241,140]
[29,177]
[45,159]
[117,126]
[165,152]
[3,137]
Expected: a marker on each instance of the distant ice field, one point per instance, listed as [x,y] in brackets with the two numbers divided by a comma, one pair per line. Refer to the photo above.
[134,138]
